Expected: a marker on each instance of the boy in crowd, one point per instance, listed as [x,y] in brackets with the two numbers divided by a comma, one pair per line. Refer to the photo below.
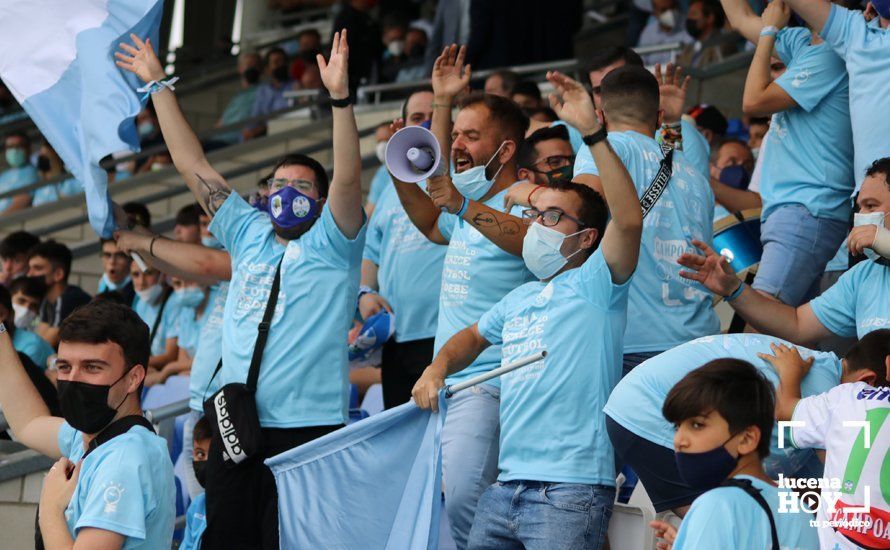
[52,260]
[196,516]
[14,249]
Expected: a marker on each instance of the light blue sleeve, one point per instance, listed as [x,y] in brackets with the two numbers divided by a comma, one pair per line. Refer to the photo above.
[116,500]
[68,437]
[843,28]
[491,324]
[584,163]
[378,184]
[697,531]
[696,148]
[596,283]
[373,241]
[446,223]
[835,308]
[811,76]
[790,42]
[575,137]
[194,526]
[345,248]
[239,226]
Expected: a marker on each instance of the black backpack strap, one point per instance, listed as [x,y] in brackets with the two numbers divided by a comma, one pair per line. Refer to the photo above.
[263,330]
[658,185]
[212,377]
[154,327]
[748,487]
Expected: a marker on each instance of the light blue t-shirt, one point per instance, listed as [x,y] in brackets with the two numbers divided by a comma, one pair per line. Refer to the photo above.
[696,148]
[33,346]
[664,310]
[195,523]
[167,328]
[858,303]
[56,191]
[809,160]
[575,137]
[636,401]
[125,486]
[16,178]
[728,517]
[477,274]
[189,329]
[865,47]
[304,373]
[410,268]
[209,349]
[552,427]
[379,182]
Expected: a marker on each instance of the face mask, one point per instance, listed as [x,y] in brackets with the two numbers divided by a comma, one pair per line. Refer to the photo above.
[706,470]
[200,467]
[114,286]
[85,406]
[396,48]
[211,242]
[755,151]
[882,7]
[380,151]
[559,174]
[251,75]
[735,176]
[146,128]
[280,74]
[43,164]
[190,297]
[474,183]
[151,294]
[290,208]
[157,166]
[692,28]
[15,157]
[541,250]
[668,19]
[24,317]
[875,218]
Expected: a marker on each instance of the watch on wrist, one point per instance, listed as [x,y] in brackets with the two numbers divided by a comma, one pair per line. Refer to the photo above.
[341,103]
[364,289]
[592,139]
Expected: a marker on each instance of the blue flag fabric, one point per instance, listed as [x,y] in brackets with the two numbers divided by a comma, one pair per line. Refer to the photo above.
[57,58]
[375,484]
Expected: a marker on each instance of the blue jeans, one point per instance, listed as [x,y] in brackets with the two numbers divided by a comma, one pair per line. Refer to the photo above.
[469,454]
[538,515]
[796,249]
[631,360]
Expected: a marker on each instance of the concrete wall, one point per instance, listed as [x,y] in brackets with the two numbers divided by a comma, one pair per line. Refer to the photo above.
[18,508]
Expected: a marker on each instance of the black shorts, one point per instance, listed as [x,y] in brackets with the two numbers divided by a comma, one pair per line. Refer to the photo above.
[402,363]
[655,465]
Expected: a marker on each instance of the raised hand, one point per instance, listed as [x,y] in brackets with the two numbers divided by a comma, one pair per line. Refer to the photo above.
[672,87]
[335,72]
[450,75]
[140,60]
[573,104]
[776,14]
[711,270]
[665,532]
[397,124]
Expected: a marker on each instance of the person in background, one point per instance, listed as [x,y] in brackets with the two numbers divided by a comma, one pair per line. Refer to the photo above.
[543,115]
[52,261]
[723,413]
[187,226]
[710,122]
[666,25]
[381,177]
[527,95]
[706,24]
[19,174]
[240,107]
[149,133]
[412,67]
[20,317]
[366,47]
[191,301]
[138,215]
[27,295]
[730,176]
[14,253]
[196,515]
[501,83]
[269,96]
[547,156]
[116,271]
[394,28]
[757,129]
[51,167]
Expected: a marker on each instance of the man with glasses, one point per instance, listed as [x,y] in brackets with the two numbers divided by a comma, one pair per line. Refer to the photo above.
[556,481]
[547,156]
[116,271]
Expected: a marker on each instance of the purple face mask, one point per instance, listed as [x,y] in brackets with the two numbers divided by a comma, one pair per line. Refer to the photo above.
[882,7]
[289,208]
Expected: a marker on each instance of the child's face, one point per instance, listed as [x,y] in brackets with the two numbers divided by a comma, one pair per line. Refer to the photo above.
[701,433]
[200,449]
[22,299]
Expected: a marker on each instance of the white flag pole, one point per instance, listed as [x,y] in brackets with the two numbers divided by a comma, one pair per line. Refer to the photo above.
[504,369]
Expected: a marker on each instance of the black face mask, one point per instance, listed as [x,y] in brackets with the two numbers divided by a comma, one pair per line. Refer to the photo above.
[43,163]
[251,75]
[85,406]
[293,233]
[200,467]
[692,28]
[280,74]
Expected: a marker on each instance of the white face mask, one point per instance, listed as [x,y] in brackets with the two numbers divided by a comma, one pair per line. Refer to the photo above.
[150,294]
[396,48]
[24,317]
[875,218]
[473,183]
[668,19]
[541,250]
[755,151]
[380,151]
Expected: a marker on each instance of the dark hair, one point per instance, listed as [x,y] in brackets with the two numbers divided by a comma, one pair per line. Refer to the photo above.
[269,54]
[631,93]
[201,431]
[880,166]
[110,296]
[604,57]
[22,135]
[56,254]
[546,111]
[16,243]
[710,118]
[527,87]
[593,213]
[506,114]
[426,89]
[712,7]
[732,387]
[189,214]
[104,320]
[870,353]
[313,31]
[138,214]
[5,299]
[762,121]
[296,159]
[508,79]
[35,287]
[527,154]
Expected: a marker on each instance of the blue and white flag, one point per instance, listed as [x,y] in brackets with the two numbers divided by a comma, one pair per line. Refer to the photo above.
[375,484]
[57,58]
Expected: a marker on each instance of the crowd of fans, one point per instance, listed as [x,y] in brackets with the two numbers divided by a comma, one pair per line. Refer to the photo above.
[582,226]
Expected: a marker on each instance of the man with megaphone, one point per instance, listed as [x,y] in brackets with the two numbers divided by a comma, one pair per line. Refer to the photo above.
[477,273]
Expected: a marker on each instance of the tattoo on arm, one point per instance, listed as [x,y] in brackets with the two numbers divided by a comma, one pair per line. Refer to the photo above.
[213,195]
[487,219]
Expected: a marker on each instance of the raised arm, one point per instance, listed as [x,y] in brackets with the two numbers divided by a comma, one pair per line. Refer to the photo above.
[814,12]
[345,195]
[743,19]
[25,411]
[621,241]
[798,325]
[205,183]
[185,260]
[457,354]
[762,96]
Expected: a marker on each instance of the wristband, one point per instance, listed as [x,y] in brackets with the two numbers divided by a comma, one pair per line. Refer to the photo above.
[151,246]
[365,289]
[532,192]
[736,293]
[154,86]
[463,208]
[592,139]
[769,31]
[341,103]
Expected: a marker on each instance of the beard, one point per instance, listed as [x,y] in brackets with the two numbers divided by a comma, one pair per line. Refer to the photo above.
[295,232]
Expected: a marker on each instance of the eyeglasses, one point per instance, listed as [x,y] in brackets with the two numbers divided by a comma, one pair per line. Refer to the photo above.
[300,185]
[549,217]
[555,162]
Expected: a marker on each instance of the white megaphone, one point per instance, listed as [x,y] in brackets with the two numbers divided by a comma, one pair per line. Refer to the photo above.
[412,154]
